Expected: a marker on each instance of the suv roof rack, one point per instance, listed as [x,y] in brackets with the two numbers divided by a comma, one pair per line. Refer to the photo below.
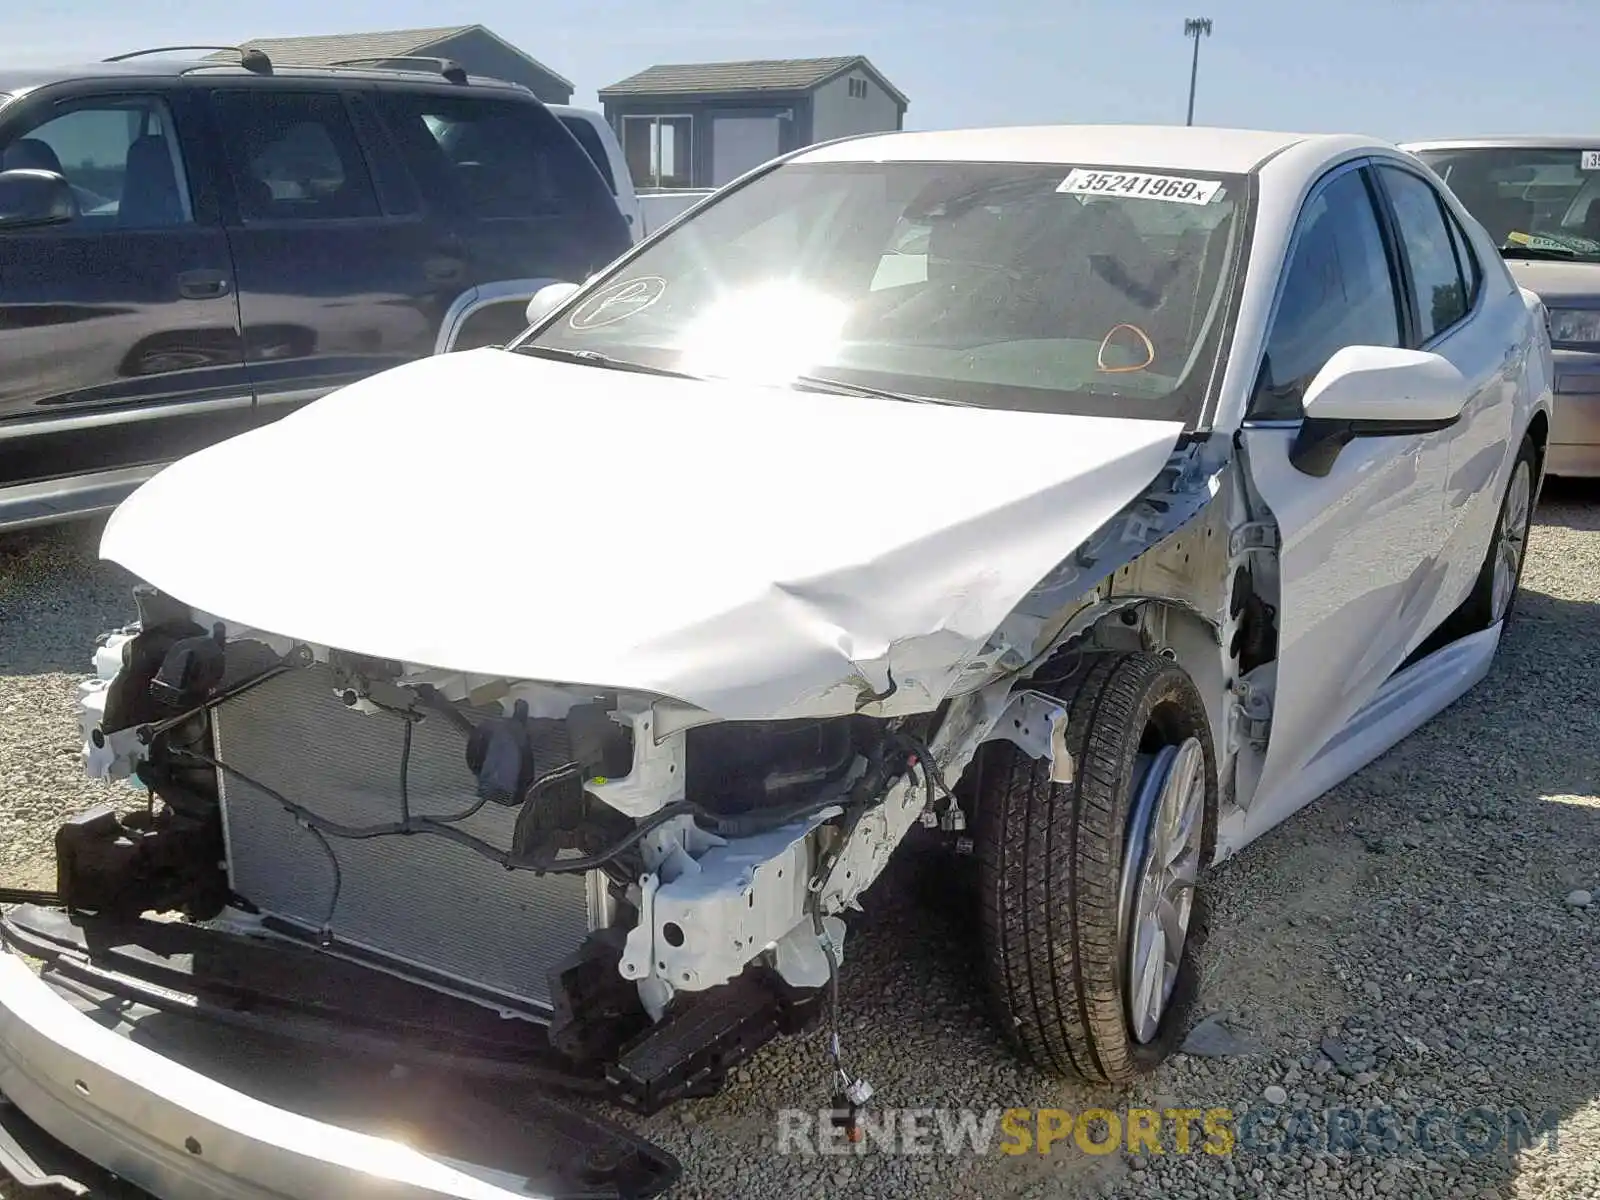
[250,58]
[448,67]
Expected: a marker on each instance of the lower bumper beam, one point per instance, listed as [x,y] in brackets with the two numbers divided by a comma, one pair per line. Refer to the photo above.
[188,1109]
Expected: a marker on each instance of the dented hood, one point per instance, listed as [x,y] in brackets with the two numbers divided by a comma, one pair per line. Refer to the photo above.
[754,551]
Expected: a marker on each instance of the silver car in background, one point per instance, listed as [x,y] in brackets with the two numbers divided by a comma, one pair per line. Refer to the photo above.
[1537,197]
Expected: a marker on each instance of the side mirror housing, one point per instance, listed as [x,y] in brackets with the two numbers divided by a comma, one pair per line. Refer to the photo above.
[31,198]
[547,299]
[1375,391]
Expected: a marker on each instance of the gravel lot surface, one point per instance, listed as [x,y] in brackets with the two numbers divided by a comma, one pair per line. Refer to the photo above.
[1425,937]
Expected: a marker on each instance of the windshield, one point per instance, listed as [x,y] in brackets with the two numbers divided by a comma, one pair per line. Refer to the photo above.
[1026,286]
[1535,202]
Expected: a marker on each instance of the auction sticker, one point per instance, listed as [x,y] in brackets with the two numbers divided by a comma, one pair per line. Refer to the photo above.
[1591,160]
[1177,188]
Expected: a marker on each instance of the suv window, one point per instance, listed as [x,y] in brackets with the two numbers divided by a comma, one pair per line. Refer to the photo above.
[294,156]
[1338,292]
[1435,272]
[121,158]
[592,146]
[495,158]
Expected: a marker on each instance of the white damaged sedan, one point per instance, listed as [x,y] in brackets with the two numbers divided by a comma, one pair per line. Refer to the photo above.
[1093,498]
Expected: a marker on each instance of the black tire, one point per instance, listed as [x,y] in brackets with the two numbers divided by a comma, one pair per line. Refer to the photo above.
[1477,611]
[1050,867]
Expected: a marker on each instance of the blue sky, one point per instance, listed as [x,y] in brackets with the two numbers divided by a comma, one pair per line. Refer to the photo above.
[1392,68]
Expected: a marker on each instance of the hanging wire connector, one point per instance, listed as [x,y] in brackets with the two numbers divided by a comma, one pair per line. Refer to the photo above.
[851,1092]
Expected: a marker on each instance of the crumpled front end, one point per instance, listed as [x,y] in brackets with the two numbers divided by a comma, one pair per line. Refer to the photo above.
[638,880]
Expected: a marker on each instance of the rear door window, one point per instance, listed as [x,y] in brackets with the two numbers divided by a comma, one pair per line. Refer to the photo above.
[294,156]
[495,159]
[1441,290]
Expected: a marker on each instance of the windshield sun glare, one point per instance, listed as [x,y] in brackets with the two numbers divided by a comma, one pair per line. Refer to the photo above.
[766,333]
[1046,287]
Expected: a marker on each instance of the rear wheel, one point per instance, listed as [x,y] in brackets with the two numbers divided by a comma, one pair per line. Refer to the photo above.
[1494,595]
[1088,888]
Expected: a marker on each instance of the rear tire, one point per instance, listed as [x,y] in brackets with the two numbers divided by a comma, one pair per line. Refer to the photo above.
[1494,595]
[1059,889]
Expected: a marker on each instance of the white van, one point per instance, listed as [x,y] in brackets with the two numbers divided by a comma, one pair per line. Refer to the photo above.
[595,136]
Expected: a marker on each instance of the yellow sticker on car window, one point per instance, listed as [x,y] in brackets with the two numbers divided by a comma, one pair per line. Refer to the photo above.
[1179,189]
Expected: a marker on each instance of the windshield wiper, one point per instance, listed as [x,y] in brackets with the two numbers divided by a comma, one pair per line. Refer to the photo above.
[593,358]
[838,387]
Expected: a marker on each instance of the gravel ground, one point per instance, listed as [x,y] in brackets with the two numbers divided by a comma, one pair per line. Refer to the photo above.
[1417,940]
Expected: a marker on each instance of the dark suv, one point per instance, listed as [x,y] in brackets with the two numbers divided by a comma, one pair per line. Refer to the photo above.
[190,247]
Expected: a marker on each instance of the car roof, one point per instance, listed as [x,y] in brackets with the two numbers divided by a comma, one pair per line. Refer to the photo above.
[1518,142]
[159,67]
[1169,147]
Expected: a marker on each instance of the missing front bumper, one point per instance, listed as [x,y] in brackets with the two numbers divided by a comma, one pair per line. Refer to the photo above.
[204,1108]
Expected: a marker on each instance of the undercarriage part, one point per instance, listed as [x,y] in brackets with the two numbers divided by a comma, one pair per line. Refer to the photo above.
[595,1011]
[854,1090]
[154,860]
[734,768]
[23,1144]
[191,668]
[500,754]
[469,1095]
[710,905]
[1256,639]
[601,746]
[163,623]
[268,985]
[691,1051]
[11,895]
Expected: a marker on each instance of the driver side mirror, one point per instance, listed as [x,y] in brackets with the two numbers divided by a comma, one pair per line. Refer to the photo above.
[31,198]
[547,299]
[1375,391]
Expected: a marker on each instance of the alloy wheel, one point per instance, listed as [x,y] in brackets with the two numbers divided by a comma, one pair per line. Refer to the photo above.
[1160,869]
[1513,539]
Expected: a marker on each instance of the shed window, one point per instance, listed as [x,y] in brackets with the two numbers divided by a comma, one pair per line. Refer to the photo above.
[658,150]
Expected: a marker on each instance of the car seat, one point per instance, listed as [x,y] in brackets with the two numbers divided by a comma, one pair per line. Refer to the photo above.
[150,194]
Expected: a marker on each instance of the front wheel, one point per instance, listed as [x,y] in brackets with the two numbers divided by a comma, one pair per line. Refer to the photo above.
[1088,888]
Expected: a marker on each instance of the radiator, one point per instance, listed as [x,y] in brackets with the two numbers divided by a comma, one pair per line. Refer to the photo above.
[415,900]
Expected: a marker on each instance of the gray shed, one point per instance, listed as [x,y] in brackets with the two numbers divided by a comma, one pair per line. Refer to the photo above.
[480,51]
[698,125]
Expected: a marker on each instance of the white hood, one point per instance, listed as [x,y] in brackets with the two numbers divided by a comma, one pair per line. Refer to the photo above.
[758,552]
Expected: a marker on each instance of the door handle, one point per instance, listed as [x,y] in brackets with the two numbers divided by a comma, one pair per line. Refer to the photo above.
[443,270]
[202,285]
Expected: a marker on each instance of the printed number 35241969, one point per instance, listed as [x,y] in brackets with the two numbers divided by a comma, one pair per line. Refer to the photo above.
[1176,188]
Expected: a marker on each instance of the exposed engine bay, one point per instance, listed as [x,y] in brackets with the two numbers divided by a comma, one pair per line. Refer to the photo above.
[604,865]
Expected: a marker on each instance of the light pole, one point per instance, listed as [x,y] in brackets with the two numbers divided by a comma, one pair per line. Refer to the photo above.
[1196,28]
